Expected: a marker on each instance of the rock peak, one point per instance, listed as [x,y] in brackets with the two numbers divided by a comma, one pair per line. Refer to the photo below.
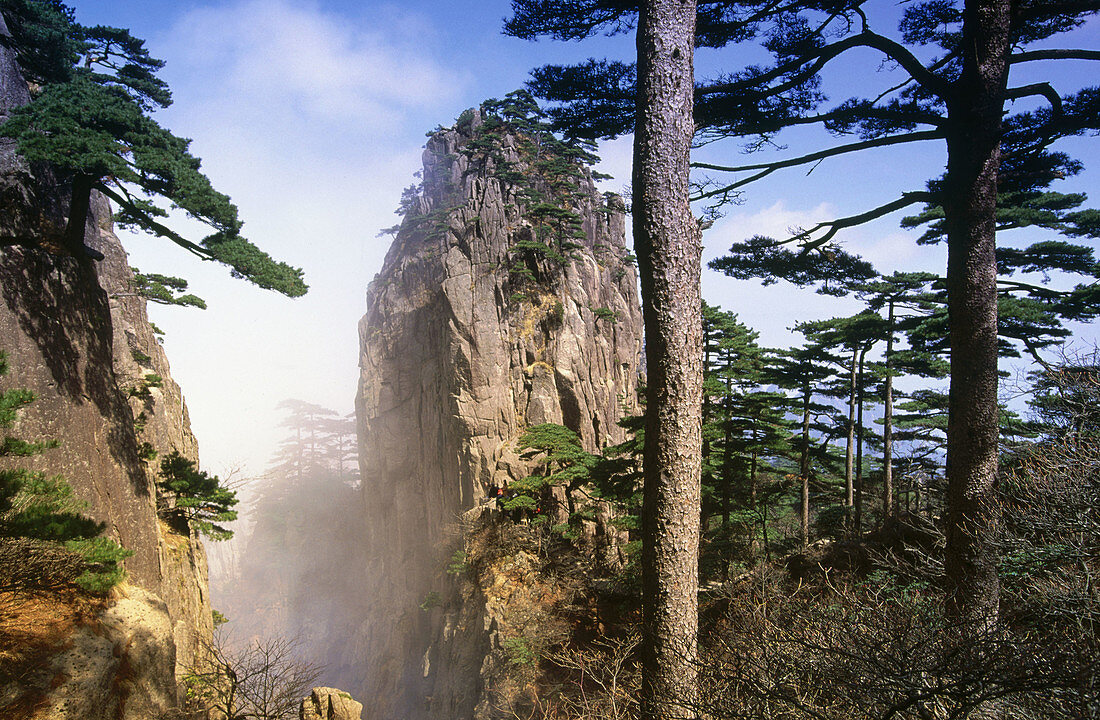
[508,299]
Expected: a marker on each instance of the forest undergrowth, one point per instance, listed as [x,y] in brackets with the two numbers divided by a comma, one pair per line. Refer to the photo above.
[853,626]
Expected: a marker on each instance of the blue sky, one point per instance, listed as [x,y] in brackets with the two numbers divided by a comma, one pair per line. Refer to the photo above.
[311,114]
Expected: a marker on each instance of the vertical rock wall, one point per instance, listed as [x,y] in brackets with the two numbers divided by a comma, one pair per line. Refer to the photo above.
[79,338]
[456,361]
[160,419]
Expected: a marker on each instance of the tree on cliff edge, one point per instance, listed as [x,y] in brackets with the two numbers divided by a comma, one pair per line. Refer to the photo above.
[93,89]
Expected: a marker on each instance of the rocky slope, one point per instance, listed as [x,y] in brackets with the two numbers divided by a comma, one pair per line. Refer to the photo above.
[78,337]
[469,339]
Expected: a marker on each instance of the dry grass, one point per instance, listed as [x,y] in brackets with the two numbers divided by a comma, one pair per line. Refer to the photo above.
[34,625]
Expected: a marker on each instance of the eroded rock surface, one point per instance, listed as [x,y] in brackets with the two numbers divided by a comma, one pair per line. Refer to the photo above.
[118,668]
[457,359]
[326,703]
[77,335]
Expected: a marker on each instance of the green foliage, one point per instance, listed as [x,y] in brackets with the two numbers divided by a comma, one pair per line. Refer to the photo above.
[431,600]
[147,452]
[46,48]
[565,463]
[45,508]
[607,314]
[90,119]
[519,651]
[549,176]
[165,290]
[104,563]
[218,618]
[34,505]
[149,381]
[201,500]
[458,564]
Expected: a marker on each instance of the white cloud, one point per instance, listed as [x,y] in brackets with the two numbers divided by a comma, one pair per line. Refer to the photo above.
[312,122]
[775,308]
[775,221]
[278,61]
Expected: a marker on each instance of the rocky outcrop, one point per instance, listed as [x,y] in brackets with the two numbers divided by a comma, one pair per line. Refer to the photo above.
[77,336]
[329,704]
[466,343]
[86,356]
[119,666]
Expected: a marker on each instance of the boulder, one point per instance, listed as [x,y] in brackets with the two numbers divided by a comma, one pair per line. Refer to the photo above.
[119,667]
[326,703]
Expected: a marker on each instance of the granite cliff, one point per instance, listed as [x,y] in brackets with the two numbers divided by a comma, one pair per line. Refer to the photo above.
[78,336]
[508,299]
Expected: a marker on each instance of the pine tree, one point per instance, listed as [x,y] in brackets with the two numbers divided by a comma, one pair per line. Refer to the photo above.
[745,432]
[34,505]
[565,464]
[90,120]
[802,370]
[666,239]
[200,501]
[957,94]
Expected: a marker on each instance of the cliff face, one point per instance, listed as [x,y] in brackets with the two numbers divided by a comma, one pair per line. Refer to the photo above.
[161,421]
[82,352]
[78,337]
[465,344]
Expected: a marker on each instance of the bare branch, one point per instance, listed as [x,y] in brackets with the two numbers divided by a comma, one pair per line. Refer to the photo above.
[806,240]
[1055,54]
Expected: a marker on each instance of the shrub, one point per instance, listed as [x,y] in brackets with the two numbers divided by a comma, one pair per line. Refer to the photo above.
[35,507]
[201,501]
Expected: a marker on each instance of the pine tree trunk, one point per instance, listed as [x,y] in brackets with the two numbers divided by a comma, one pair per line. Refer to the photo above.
[706,480]
[888,423]
[858,524]
[727,463]
[804,469]
[667,240]
[849,448]
[79,207]
[970,202]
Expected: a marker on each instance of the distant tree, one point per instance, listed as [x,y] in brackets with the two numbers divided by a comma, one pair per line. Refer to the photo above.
[802,370]
[89,118]
[197,500]
[319,440]
[746,433]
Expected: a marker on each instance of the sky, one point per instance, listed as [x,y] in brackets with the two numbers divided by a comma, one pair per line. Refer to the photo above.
[312,114]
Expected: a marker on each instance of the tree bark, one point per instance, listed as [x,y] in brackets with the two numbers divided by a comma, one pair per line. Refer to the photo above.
[667,241]
[79,206]
[804,469]
[858,523]
[970,202]
[849,447]
[888,422]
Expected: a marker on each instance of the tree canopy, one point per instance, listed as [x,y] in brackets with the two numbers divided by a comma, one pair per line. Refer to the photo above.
[90,117]
[947,77]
